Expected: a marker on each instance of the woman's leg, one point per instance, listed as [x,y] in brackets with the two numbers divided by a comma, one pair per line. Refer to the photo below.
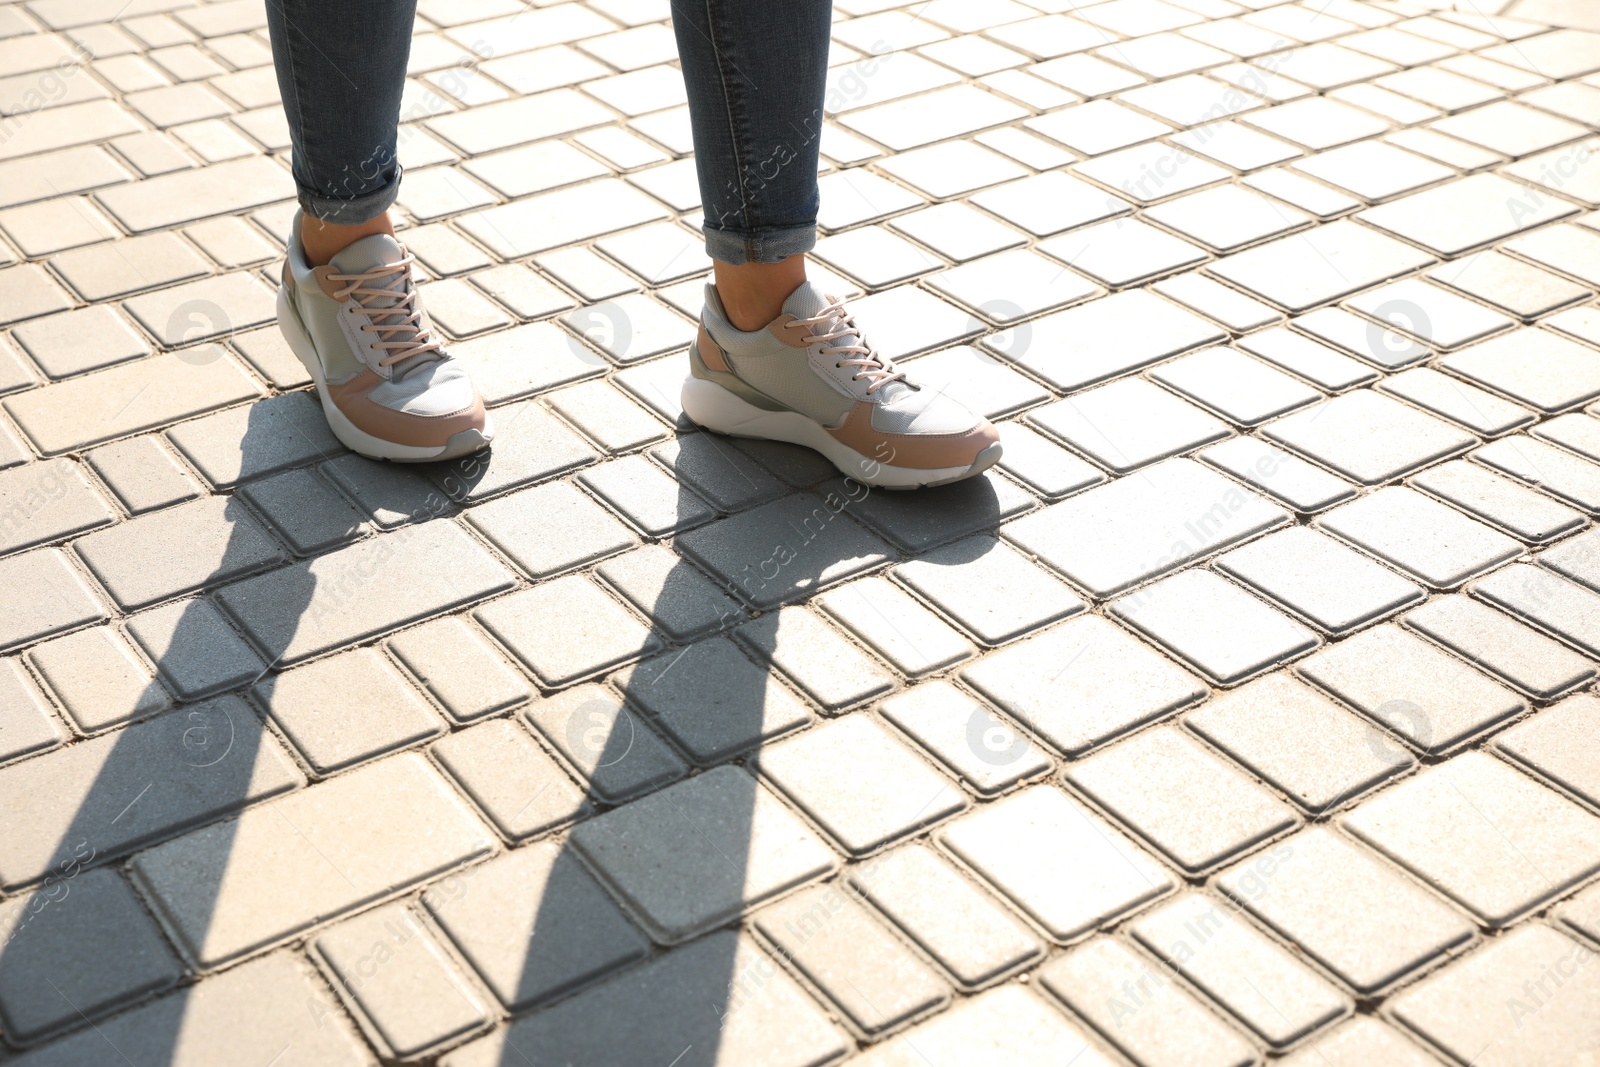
[756,72]
[341,68]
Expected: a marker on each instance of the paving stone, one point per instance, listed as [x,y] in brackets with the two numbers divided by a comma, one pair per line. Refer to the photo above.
[684,874]
[550,528]
[1005,1025]
[1106,876]
[1303,271]
[347,709]
[957,232]
[72,342]
[1240,389]
[98,678]
[142,474]
[1466,214]
[656,503]
[56,945]
[305,510]
[1114,536]
[1430,699]
[269,354]
[1368,437]
[550,220]
[389,494]
[601,737]
[1424,538]
[1127,424]
[1499,501]
[1430,314]
[251,1012]
[228,889]
[859,784]
[1540,369]
[1479,411]
[1329,585]
[72,795]
[522,790]
[1317,363]
[1464,1008]
[985,751]
[1551,469]
[1234,310]
[25,719]
[411,1008]
[1374,171]
[1287,478]
[659,1010]
[1093,980]
[533,924]
[336,599]
[47,501]
[219,189]
[1574,432]
[816,547]
[1564,248]
[70,170]
[1510,284]
[459,669]
[607,416]
[960,925]
[1353,914]
[1523,658]
[247,442]
[719,473]
[530,446]
[50,595]
[894,625]
[989,589]
[1556,744]
[1360,1040]
[1274,994]
[195,652]
[1047,468]
[29,292]
[680,601]
[1548,601]
[566,630]
[1049,203]
[525,360]
[1383,345]
[71,415]
[1484,835]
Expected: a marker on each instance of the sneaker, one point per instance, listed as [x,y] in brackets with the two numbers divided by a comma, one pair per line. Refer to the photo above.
[809,378]
[387,386]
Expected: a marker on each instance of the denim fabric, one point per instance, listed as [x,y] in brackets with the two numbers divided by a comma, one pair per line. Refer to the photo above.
[755,72]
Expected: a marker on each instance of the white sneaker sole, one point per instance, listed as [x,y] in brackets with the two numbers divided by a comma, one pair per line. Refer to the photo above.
[711,406]
[349,434]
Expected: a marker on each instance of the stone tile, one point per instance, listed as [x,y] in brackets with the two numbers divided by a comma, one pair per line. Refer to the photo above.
[195,652]
[876,981]
[1235,311]
[1498,501]
[617,755]
[1112,537]
[936,116]
[50,595]
[203,310]
[533,924]
[98,679]
[1316,123]
[56,947]
[983,750]
[1287,478]
[657,1010]
[1353,914]
[117,269]
[607,416]
[1574,432]
[1045,467]
[1268,989]
[66,796]
[390,495]
[1362,1039]
[1426,539]
[1317,753]
[1374,171]
[1240,147]
[1240,389]
[1303,271]
[414,1007]
[956,231]
[680,601]
[25,716]
[337,599]
[1049,203]
[47,501]
[1428,313]
[1062,865]
[1128,424]
[459,669]
[683,872]
[905,321]
[550,528]
[251,1012]
[1184,612]
[69,126]
[1012,285]
[29,292]
[1329,585]
[127,399]
[231,242]
[1463,1008]
[987,386]
[816,548]
[1227,218]
[1315,362]
[168,553]
[1368,437]
[70,170]
[859,784]
[268,352]
[566,630]
[1098,127]
[1383,345]
[931,516]
[1484,835]
[1176,1028]
[522,790]
[550,220]
[1541,369]
[346,709]
[233,888]
[1556,744]
[896,626]
[1521,657]
[974,938]
[1466,214]
[305,510]
[1123,252]
[525,360]
[1006,1025]
[185,196]
[1479,411]
[72,342]
[989,589]
[1431,700]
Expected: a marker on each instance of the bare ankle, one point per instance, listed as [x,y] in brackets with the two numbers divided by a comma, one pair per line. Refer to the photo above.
[752,294]
[323,240]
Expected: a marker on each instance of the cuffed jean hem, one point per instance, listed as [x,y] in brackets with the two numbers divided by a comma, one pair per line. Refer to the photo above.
[350,212]
[773,246]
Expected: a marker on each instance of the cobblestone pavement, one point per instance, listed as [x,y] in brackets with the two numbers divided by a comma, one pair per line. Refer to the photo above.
[1240,716]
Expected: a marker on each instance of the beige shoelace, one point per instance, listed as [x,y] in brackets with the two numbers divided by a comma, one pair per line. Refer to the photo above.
[877,369]
[402,334]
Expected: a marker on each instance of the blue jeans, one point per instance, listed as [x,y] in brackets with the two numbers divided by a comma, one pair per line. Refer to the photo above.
[754,69]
